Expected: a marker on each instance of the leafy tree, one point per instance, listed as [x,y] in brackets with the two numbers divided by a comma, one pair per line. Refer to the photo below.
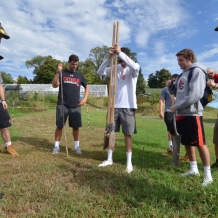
[140,86]
[158,80]
[97,55]
[7,78]
[44,68]
[22,80]
[87,68]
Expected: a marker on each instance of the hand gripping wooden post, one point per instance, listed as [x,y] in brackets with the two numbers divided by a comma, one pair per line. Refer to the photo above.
[109,136]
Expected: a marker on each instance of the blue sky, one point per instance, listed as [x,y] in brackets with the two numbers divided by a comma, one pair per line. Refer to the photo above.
[155,29]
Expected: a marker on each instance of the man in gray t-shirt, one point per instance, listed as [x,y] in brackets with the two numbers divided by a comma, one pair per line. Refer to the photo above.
[166,99]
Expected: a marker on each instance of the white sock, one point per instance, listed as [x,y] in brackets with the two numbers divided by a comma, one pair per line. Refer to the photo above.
[170,144]
[207,172]
[7,144]
[76,145]
[193,166]
[109,155]
[128,158]
[57,144]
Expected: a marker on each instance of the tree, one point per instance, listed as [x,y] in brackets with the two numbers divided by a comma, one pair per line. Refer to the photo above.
[22,80]
[7,78]
[158,80]
[140,86]
[44,68]
[97,55]
[87,68]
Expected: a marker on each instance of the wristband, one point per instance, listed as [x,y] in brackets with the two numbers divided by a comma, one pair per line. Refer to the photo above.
[3,100]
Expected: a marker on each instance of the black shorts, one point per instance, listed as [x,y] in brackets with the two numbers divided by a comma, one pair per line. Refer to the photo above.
[192,130]
[73,114]
[168,119]
[5,120]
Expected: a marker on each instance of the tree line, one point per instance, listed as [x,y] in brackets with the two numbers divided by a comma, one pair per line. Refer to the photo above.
[44,68]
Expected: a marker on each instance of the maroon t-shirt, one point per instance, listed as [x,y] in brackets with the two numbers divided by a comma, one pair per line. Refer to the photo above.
[71,88]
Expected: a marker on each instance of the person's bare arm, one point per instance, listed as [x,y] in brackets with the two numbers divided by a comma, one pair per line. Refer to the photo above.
[55,81]
[85,97]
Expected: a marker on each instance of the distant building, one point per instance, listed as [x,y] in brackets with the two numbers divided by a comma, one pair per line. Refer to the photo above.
[95,90]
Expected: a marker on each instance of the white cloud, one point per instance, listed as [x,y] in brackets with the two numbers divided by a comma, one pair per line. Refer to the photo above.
[154,29]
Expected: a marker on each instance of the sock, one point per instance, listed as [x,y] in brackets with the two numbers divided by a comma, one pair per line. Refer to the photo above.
[57,144]
[193,166]
[76,145]
[7,144]
[170,144]
[128,158]
[109,155]
[207,172]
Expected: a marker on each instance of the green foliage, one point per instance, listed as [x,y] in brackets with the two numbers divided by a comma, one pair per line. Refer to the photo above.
[44,68]
[97,56]
[140,86]
[88,70]
[7,78]
[23,80]
[158,80]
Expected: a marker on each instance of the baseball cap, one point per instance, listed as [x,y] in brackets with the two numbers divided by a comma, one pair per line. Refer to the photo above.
[216,29]
[1,57]
[3,33]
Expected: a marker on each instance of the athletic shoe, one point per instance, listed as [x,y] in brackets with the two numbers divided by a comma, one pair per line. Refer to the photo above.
[185,159]
[190,173]
[215,165]
[105,163]
[55,150]
[78,150]
[170,151]
[11,151]
[129,169]
[207,181]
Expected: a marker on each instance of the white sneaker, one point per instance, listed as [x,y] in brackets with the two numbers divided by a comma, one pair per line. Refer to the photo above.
[105,163]
[207,181]
[129,169]
[190,173]
[55,150]
[78,150]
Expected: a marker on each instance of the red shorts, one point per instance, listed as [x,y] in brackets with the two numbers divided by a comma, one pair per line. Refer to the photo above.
[192,130]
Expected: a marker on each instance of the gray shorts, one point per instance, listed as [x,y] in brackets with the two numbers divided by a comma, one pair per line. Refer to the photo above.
[126,118]
[73,114]
[215,133]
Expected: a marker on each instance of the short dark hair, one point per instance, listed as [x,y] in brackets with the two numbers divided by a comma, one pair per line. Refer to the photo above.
[187,54]
[126,51]
[73,57]
[175,75]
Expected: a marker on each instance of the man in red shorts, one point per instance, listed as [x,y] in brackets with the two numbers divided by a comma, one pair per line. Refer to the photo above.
[188,109]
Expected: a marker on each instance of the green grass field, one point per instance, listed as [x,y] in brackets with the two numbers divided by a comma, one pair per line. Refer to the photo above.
[38,184]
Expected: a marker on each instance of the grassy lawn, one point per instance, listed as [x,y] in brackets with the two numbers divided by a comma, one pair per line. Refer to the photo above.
[38,184]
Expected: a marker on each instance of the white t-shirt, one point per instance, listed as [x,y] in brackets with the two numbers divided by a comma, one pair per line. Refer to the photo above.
[125,81]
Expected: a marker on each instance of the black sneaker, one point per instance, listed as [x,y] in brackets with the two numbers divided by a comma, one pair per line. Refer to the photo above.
[215,165]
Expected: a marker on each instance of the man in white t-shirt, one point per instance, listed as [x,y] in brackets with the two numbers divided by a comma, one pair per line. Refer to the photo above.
[125,101]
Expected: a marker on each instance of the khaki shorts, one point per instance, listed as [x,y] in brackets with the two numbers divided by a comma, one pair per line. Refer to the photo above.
[215,133]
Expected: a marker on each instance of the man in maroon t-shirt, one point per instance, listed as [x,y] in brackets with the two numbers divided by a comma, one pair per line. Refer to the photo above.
[69,81]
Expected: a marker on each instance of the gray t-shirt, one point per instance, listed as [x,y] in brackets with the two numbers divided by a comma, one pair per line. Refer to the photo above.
[166,96]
